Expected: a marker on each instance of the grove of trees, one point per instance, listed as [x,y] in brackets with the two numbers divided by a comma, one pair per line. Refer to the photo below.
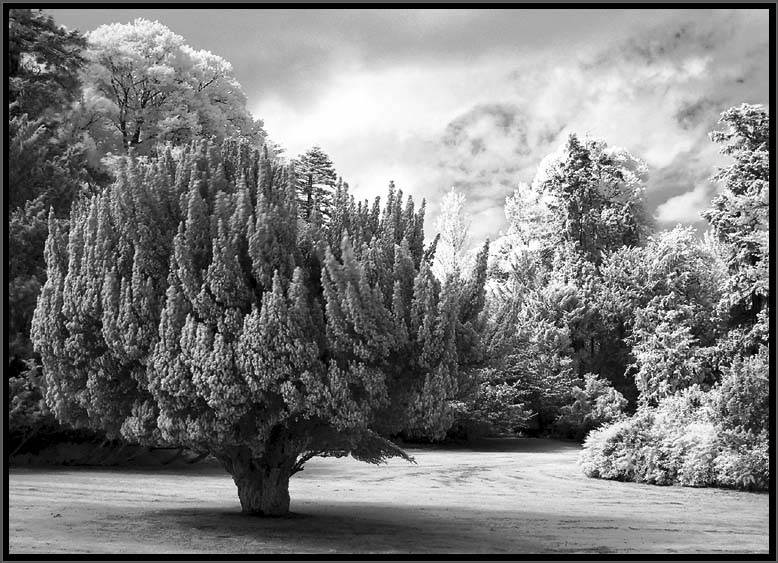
[700,336]
[173,281]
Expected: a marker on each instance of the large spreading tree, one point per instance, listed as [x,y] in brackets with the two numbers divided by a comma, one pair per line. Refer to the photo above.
[188,305]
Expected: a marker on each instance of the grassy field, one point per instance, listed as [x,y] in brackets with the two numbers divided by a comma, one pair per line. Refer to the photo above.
[501,496]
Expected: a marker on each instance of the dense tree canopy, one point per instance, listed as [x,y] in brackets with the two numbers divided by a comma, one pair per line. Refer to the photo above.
[55,145]
[44,61]
[696,314]
[549,324]
[663,299]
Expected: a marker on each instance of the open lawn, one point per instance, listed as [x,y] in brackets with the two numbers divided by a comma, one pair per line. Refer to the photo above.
[500,496]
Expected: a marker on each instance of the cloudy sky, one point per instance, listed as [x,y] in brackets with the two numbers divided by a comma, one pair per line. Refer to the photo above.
[474,99]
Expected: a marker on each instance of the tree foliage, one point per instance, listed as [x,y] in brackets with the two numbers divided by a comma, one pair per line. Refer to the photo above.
[452,225]
[43,63]
[663,299]
[492,407]
[700,335]
[549,318]
[531,344]
[739,216]
[683,440]
[595,403]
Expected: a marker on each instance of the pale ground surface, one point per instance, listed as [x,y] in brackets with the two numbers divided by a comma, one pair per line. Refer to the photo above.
[504,496]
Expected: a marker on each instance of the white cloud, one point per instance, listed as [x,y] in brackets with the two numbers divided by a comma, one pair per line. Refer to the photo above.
[656,92]
[684,208]
[384,124]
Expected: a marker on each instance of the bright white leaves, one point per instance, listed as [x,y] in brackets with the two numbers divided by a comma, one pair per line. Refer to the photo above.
[529,216]
[157,89]
[453,224]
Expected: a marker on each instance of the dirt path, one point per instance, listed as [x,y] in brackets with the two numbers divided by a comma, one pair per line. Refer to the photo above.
[515,496]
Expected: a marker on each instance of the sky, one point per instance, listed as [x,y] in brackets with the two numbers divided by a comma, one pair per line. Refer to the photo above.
[474,99]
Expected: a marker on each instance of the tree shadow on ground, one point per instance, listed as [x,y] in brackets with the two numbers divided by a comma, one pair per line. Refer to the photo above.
[356,527]
[370,528]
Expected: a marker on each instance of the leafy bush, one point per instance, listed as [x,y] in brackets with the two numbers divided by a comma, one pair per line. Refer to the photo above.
[694,454]
[745,463]
[680,441]
[596,404]
[609,453]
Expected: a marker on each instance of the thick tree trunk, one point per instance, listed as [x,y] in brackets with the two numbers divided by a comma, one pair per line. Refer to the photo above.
[264,491]
[263,483]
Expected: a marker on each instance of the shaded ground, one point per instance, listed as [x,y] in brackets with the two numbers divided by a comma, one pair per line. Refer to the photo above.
[505,496]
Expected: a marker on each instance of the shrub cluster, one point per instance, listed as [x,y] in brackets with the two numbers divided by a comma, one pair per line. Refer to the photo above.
[695,438]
